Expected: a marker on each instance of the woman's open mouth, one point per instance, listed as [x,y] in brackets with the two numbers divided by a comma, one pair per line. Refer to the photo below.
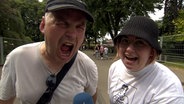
[131,58]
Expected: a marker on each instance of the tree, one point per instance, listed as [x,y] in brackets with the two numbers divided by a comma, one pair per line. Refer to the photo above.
[11,26]
[31,12]
[178,22]
[11,23]
[110,15]
[171,11]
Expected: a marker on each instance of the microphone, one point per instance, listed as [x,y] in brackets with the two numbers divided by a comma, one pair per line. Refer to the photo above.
[83,98]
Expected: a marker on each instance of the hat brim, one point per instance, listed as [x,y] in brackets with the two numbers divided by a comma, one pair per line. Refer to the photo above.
[88,15]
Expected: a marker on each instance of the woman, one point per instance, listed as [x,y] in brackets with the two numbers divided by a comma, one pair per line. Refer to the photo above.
[136,78]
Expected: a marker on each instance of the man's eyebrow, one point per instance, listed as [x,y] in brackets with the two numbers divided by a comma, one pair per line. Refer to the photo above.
[59,18]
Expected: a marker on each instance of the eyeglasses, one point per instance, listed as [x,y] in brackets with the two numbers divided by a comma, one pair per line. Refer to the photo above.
[47,96]
[137,43]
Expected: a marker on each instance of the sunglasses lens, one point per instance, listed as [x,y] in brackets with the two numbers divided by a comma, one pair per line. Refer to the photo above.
[51,81]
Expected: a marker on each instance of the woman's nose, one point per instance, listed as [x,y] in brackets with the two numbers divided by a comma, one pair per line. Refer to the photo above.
[130,47]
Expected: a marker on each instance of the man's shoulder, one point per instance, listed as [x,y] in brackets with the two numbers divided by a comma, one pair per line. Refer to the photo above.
[82,57]
[26,48]
[82,54]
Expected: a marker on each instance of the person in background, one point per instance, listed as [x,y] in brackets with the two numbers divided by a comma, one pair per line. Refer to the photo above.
[96,51]
[137,78]
[27,67]
[101,51]
[106,52]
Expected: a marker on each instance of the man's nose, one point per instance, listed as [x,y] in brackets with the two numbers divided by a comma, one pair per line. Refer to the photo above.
[71,32]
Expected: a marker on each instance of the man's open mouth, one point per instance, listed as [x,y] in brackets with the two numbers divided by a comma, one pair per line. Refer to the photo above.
[66,48]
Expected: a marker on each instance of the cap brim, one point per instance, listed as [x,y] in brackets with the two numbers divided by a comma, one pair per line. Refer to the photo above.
[89,17]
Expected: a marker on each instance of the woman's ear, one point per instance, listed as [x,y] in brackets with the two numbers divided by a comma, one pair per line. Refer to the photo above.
[42,25]
[153,55]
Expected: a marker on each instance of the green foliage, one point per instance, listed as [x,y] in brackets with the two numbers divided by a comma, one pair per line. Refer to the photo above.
[174,38]
[171,13]
[110,15]
[31,12]
[173,46]
[179,23]
[10,20]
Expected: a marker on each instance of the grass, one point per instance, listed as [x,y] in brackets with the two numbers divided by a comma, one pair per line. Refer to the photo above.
[174,65]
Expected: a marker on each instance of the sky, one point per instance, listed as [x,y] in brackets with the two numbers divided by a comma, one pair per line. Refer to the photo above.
[157,15]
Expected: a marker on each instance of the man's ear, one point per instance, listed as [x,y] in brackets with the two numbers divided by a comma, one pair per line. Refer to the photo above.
[42,25]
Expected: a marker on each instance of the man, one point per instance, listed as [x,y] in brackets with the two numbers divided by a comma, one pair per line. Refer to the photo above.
[27,67]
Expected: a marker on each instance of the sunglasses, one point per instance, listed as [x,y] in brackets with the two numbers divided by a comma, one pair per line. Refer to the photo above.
[51,84]
[51,81]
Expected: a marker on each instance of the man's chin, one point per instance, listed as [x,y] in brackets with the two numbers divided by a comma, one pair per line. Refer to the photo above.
[66,57]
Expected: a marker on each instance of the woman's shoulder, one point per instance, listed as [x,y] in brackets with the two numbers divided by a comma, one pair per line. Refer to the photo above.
[117,63]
